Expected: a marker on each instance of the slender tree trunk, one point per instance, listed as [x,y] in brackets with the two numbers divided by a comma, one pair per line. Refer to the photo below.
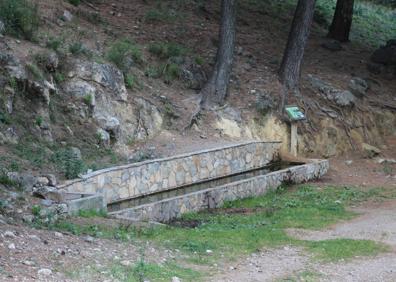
[216,88]
[290,68]
[342,21]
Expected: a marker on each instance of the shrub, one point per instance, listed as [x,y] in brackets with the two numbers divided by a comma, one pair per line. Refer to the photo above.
[121,50]
[35,71]
[68,163]
[76,48]
[74,2]
[129,81]
[20,18]
[54,43]
[166,50]
[171,72]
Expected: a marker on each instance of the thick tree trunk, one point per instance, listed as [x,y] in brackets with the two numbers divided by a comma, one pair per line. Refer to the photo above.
[342,21]
[216,89]
[290,68]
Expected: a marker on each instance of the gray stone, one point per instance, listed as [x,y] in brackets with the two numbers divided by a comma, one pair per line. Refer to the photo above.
[343,98]
[358,86]
[44,272]
[2,28]
[385,55]
[52,62]
[67,16]
[9,234]
[76,152]
[26,180]
[42,181]
[370,151]
[51,179]
[332,45]
[104,137]
[89,239]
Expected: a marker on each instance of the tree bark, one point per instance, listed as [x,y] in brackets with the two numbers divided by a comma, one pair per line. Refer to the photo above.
[290,68]
[342,21]
[216,89]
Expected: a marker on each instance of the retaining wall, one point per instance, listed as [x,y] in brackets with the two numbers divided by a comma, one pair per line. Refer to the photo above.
[168,209]
[133,180]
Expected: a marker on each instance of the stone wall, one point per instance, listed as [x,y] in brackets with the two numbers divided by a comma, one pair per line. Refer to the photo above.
[168,209]
[153,176]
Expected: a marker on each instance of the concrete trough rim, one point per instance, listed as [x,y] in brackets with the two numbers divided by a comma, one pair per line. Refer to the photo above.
[180,156]
[307,164]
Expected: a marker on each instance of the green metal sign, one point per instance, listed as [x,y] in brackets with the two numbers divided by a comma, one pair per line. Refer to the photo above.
[294,113]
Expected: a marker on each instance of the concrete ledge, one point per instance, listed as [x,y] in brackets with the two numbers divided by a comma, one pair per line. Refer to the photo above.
[94,202]
[165,210]
[134,180]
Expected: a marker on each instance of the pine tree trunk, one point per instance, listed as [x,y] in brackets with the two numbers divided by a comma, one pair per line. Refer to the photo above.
[342,21]
[290,68]
[216,89]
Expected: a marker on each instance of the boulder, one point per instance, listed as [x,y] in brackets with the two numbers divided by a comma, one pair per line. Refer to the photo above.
[385,55]
[104,137]
[67,16]
[26,180]
[342,98]
[370,151]
[358,86]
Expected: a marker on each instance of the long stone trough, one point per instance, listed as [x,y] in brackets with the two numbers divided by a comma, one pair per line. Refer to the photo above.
[162,189]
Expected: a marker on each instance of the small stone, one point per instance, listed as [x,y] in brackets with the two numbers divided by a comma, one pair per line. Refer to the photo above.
[44,272]
[9,234]
[11,246]
[126,263]
[58,235]
[348,162]
[209,251]
[89,239]
[203,136]
[67,16]
[176,279]
[370,151]
[28,263]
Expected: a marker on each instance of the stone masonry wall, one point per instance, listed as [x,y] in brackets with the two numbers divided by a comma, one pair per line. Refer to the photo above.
[168,209]
[153,176]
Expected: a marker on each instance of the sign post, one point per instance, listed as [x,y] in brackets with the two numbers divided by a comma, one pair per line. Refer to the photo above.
[294,114]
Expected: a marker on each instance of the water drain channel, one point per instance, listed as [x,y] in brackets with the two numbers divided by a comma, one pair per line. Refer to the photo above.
[182,190]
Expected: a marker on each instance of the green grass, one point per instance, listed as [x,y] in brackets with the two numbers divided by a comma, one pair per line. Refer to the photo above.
[123,49]
[344,249]
[166,50]
[143,271]
[20,17]
[231,235]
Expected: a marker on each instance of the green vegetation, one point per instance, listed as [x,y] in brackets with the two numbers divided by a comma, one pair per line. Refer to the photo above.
[261,222]
[166,50]
[20,18]
[129,80]
[74,2]
[35,71]
[76,48]
[143,271]
[121,50]
[373,23]
[6,181]
[68,163]
[161,15]
[55,43]
[39,121]
[88,100]
[337,249]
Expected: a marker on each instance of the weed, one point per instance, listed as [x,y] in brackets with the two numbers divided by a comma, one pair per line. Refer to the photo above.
[6,181]
[36,209]
[171,72]
[88,100]
[39,121]
[161,15]
[129,81]
[76,48]
[92,17]
[59,77]
[152,72]
[337,249]
[36,154]
[20,18]
[199,60]
[68,163]
[92,213]
[35,71]
[166,50]
[74,2]
[54,43]
[5,118]
[122,51]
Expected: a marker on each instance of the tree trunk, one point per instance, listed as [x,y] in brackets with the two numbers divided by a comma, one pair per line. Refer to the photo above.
[290,68]
[342,21]
[216,88]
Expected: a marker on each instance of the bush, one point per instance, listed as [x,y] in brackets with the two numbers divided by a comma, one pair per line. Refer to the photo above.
[129,81]
[20,18]
[171,72]
[68,163]
[54,43]
[35,71]
[74,2]
[121,50]
[166,50]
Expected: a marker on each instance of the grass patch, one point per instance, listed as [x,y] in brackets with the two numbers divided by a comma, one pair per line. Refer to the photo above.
[35,71]
[166,50]
[92,213]
[122,52]
[230,234]
[344,249]
[68,163]
[20,18]
[143,271]
[161,15]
